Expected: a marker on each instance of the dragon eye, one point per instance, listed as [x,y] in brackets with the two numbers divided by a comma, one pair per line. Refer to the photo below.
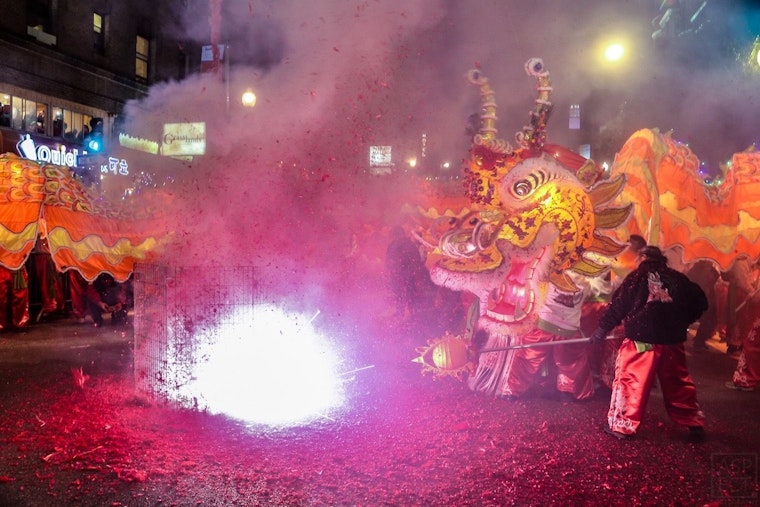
[522,188]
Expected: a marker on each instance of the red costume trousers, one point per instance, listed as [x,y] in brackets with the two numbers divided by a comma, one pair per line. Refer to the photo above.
[573,370]
[747,372]
[49,282]
[14,298]
[78,289]
[602,355]
[634,374]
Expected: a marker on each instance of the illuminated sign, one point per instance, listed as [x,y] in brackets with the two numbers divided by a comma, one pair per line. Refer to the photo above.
[60,155]
[208,62]
[110,165]
[138,143]
[115,166]
[380,156]
[207,52]
[183,139]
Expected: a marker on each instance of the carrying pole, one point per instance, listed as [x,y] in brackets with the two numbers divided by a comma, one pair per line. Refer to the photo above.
[541,344]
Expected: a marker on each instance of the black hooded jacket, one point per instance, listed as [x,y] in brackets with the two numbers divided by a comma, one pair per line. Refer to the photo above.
[653,316]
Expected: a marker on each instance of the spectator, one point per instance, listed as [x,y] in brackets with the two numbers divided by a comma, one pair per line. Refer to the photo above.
[656,305]
[84,133]
[5,115]
[106,295]
[41,122]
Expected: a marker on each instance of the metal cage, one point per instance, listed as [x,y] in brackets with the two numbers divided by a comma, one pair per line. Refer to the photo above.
[175,307]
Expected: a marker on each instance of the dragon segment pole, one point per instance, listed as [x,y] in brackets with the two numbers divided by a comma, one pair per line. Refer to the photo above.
[540,344]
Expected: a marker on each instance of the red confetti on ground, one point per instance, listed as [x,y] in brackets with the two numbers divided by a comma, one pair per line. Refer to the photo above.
[404,440]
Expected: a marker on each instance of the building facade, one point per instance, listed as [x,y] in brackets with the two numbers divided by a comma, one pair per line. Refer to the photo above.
[68,67]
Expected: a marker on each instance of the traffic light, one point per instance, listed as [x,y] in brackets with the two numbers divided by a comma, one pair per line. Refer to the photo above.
[94,140]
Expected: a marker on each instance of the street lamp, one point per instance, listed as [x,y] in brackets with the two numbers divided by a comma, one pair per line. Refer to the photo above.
[249,98]
[614,52]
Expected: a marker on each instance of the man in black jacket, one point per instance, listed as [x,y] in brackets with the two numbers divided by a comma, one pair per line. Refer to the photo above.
[656,305]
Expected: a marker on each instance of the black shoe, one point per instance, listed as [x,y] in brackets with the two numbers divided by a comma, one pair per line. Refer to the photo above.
[617,434]
[696,433]
[733,349]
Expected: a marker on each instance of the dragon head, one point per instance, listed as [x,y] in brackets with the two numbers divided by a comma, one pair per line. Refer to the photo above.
[537,215]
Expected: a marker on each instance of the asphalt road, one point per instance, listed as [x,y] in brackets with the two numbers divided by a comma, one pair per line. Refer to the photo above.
[66,340]
[440,420]
[109,348]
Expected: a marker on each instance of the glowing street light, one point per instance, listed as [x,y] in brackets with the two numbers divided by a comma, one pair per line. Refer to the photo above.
[614,52]
[249,98]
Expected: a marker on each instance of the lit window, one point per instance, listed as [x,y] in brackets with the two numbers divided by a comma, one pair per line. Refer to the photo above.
[99,30]
[142,48]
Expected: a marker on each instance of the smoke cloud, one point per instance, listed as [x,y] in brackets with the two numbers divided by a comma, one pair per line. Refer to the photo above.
[284,186]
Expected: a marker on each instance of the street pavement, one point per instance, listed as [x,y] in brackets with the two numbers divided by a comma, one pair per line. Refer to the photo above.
[69,341]
[66,340]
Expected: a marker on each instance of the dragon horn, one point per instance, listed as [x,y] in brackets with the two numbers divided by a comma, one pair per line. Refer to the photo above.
[533,136]
[487,133]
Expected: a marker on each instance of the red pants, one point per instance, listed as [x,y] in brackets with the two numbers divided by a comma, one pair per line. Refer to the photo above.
[78,289]
[49,282]
[573,370]
[747,372]
[602,355]
[634,374]
[14,298]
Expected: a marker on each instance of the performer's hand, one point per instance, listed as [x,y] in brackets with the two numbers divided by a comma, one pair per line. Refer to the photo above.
[598,336]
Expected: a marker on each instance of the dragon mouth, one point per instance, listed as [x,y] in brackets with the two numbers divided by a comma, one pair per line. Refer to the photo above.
[515,298]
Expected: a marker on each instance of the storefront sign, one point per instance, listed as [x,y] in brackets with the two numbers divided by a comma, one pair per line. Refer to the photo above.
[115,166]
[183,139]
[380,156]
[138,143]
[110,165]
[57,155]
[210,64]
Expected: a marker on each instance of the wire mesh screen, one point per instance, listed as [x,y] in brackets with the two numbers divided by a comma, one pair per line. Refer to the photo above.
[177,310]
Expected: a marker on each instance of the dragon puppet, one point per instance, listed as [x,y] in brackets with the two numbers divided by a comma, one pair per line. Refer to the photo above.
[538,215]
[680,205]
